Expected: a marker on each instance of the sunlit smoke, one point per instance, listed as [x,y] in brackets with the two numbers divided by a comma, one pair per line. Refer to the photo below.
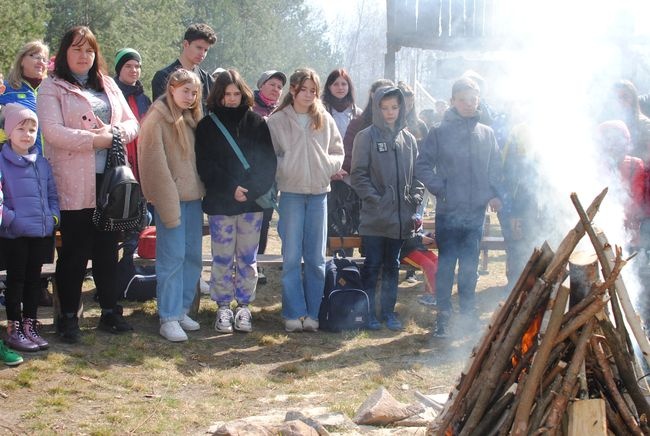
[571,54]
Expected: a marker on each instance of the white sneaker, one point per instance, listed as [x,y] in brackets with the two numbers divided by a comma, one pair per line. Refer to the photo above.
[188,324]
[223,323]
[243,320]
[293,325]
[310,325]
[172,331]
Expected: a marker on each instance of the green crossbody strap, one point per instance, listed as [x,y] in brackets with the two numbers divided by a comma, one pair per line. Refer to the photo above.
[231,141]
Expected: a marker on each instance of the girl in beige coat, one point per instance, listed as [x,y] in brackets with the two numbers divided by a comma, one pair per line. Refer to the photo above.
[310,151]
[171,183]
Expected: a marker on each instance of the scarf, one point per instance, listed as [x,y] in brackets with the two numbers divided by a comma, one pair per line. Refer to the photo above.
[268,103]
[339,104]
[34,83]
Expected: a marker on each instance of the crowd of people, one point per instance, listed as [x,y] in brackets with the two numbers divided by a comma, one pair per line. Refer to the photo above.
[209,144]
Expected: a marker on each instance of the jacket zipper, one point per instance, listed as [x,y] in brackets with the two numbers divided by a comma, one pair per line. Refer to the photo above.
[397,195]
[40,192]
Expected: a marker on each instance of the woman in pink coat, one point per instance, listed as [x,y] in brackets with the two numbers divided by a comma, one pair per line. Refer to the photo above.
[80,108]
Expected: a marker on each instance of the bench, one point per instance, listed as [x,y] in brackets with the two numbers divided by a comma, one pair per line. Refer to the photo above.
[488,243]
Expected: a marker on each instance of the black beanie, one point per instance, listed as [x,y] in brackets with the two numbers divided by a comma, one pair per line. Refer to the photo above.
[123,56]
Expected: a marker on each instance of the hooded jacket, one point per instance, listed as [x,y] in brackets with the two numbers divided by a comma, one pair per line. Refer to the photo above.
[307,158]
[69,146]
[382,172]
[460,164]
[221,170]
[167,175]
[30,200]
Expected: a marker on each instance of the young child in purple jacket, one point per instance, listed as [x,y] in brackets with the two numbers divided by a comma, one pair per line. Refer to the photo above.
[30,213]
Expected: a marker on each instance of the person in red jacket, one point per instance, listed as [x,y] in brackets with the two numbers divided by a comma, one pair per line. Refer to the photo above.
[616,143]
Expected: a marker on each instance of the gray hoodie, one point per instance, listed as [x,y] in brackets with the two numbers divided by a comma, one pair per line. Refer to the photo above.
[382,170]
[461,165]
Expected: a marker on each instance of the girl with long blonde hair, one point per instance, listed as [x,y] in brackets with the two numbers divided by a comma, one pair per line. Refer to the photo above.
[309,150]
[171,183]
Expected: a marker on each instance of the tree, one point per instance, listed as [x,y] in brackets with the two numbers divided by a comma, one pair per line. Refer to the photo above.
[22,22]
[96,14]
[258,35]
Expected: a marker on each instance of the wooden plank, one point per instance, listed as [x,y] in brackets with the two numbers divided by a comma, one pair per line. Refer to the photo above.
[587,417]
[336,243]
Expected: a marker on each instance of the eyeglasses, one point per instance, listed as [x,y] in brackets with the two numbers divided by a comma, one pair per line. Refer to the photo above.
[39,58]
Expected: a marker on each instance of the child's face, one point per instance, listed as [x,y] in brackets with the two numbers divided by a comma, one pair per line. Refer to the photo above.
[231,96]
[3,88]
[23,136]
[305,96]
[389,107]
[185,95]
[465,102]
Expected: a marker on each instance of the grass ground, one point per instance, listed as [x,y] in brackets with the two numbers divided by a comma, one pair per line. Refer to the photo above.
[140,383]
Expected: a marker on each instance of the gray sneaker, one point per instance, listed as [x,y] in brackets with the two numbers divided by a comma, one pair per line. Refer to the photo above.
[225,318]
[243,320]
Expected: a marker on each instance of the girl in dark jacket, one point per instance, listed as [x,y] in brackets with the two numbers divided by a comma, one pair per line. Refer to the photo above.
[29,215]
[231,190]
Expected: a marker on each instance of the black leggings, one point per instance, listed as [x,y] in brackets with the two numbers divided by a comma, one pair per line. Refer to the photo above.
[24,259]
[80,241]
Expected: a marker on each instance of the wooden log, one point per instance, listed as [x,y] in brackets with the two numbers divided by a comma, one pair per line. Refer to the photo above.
[454,407]
[581,319]
[544,401]
[568,383]
[583,273]
[520,425]
[598,290]
[500,358]
[558,369]
[625,368]
[492,416]
[570,241]
[612,389]
[604,263]
[614,421]
[587,417]
[631,316]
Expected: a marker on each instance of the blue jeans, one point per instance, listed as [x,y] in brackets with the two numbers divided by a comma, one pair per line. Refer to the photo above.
[381,252]
[457,243]
[303,230]
[178,262]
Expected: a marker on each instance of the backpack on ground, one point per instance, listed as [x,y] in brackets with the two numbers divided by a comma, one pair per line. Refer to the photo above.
[147,243]
[136,283]
[343,210]
[345,305]
[120,203]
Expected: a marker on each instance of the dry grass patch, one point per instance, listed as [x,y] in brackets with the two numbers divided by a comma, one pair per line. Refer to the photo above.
[139,383]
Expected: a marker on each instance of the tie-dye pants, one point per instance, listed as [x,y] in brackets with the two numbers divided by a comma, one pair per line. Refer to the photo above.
[235,240]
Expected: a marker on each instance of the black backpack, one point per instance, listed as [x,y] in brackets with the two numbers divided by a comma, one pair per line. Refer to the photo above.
[343,210]
[120,203]
[345,305]
[135,283]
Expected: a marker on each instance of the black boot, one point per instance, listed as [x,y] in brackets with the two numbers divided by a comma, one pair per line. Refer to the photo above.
[69,329]
[442,325]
